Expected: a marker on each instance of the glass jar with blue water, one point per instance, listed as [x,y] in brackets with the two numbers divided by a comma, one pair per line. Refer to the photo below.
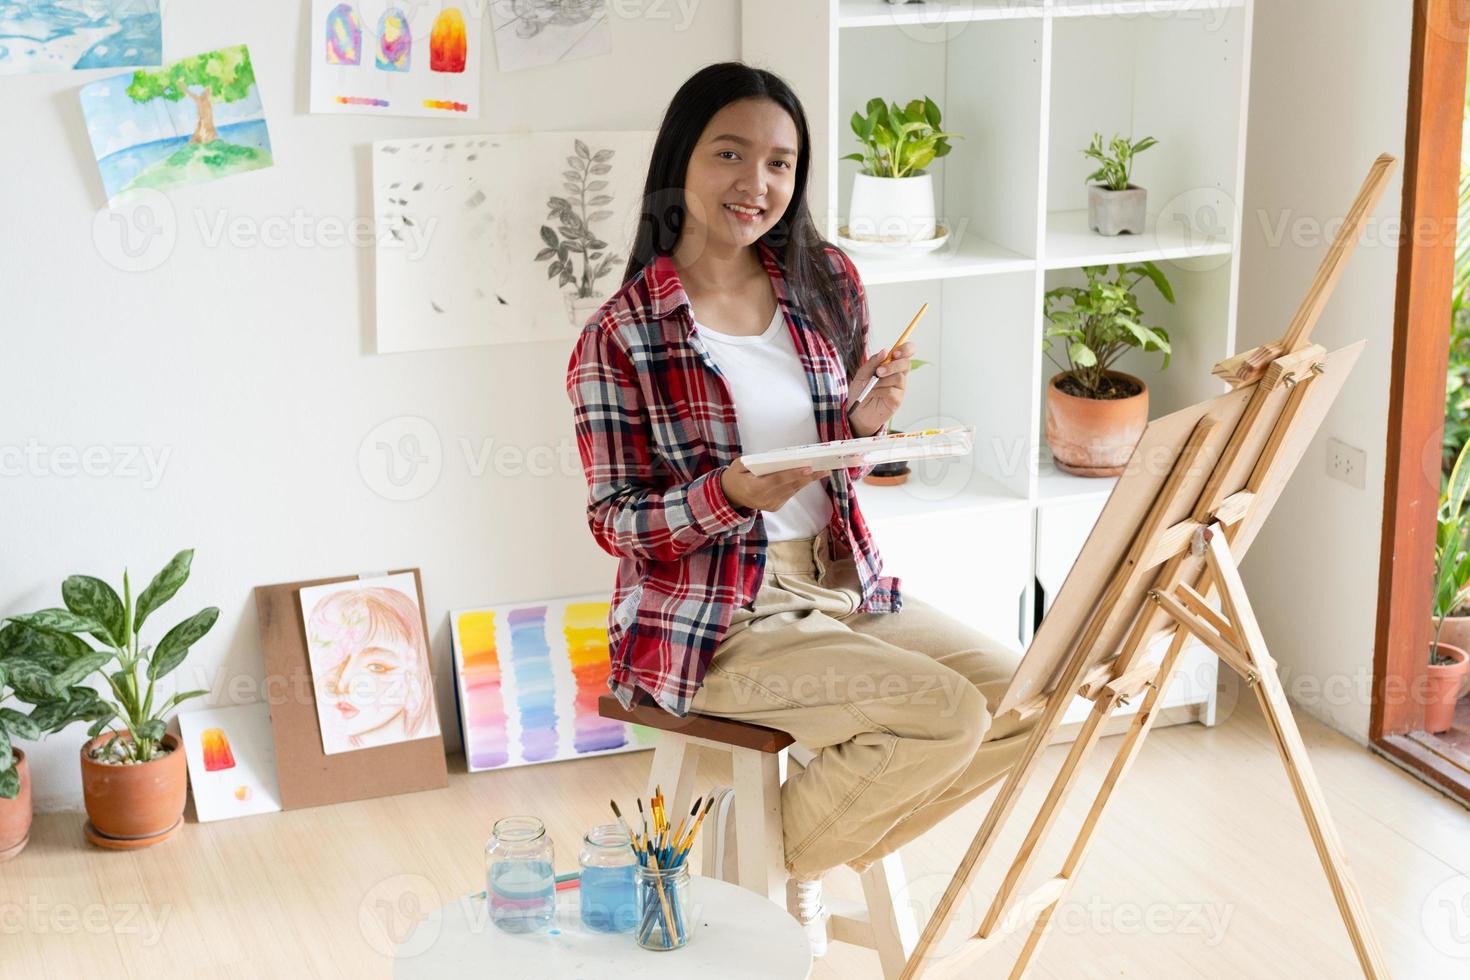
[608,902]
[520,875]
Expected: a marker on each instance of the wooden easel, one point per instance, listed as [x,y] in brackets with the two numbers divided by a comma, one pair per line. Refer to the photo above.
[1153,564]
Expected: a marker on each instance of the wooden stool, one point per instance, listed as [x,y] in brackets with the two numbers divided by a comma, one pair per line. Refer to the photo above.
[758,757]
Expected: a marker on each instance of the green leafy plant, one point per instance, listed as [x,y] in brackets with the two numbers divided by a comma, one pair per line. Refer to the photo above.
[93,609]
[574,232]
[899,141]
[1099,322]
[1451,554]
[1115,164]
[43,671]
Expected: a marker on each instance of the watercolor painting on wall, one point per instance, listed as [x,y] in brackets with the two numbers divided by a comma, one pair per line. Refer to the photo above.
[501,239]
[396,57]
[196,120]
[232,761]
[528,676]
[370,666]
[531,33]
[72,35]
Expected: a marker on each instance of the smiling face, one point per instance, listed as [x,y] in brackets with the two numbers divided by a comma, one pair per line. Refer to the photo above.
[741,175]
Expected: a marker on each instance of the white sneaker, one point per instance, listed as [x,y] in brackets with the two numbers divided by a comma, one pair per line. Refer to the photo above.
[806,905]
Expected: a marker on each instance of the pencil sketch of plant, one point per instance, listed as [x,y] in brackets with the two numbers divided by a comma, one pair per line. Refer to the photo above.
[574,235]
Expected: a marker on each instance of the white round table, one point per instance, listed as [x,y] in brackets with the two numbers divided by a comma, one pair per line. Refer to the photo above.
[737,935]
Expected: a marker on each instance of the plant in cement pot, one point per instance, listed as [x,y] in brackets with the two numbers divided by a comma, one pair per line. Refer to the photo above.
[1448,664]
[1094,415]
[1115,205]
[34,672]
[893,195]
[133,779]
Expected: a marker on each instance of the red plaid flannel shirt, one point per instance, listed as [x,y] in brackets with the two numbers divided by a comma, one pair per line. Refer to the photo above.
[656,427]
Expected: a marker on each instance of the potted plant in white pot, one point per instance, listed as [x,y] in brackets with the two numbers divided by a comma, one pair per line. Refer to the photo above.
[32,673]
[1114,204]
[1095,415]
[1448,664]
[134,777]
[893,195]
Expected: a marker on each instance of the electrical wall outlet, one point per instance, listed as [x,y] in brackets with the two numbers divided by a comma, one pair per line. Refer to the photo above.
[1347,463]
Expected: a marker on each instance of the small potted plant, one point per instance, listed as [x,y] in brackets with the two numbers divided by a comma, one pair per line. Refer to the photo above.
[1095,415]
[1448,664]
[1114,204]
[893,195]
[133,776]
[31,672]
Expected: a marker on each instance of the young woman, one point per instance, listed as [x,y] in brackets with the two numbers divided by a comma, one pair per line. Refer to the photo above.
[738,329]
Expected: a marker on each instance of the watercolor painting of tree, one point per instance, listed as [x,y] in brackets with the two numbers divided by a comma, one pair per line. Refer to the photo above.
[195,120]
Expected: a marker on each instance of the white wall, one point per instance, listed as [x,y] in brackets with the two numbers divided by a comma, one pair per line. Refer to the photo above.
[1329,93]
[247,369]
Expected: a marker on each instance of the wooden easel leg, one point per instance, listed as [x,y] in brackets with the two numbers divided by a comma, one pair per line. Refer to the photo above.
[1137,732]
[1294,755]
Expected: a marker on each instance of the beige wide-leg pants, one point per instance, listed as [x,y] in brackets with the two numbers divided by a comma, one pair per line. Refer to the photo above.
[895,706]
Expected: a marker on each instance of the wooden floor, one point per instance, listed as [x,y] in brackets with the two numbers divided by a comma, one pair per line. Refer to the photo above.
[1203,869]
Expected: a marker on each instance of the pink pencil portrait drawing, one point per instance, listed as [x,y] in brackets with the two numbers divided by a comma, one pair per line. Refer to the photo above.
[369,663]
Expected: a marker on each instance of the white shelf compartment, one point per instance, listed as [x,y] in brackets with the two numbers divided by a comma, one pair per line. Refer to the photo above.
[937,489]
[881,13]
[973,256]
[1136,8]
[1071,243]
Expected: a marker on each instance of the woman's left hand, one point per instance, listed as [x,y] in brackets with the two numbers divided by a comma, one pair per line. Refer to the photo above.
[883,401]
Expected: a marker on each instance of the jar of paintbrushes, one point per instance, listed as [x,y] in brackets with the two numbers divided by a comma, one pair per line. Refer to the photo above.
[662,875]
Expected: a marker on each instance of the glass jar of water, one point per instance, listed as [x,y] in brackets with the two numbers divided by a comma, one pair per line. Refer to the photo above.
[520,875]
[608,902]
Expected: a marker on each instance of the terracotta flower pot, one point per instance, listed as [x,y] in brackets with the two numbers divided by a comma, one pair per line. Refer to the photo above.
[15,815]
[1443,689]
[1456,633]
[135,802]
[1094,436]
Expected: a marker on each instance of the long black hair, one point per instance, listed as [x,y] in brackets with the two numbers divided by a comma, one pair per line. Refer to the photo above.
[799,247]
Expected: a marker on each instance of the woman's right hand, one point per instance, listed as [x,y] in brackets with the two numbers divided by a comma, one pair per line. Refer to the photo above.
[744,489]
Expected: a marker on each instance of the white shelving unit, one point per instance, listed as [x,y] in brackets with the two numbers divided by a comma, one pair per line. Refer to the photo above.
[1026,82]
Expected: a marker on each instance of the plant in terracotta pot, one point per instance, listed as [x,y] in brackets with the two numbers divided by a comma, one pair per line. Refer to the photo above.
[133,777]
[1095,415]
[1448,663]
[893,195]
[34,672]
[1114,204]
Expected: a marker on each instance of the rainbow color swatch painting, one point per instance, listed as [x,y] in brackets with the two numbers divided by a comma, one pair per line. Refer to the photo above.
[395,57]
[528,677]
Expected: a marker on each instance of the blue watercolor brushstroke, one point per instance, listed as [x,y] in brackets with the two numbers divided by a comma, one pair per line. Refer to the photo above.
[530,657]
[27,27]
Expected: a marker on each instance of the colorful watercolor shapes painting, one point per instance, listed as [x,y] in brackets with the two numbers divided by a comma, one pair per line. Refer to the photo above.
[529,234]
[67,35]
[193,121]
[529,676]
[449,44]
[395,42]
[370,666]
[232,760]
[532,33]
[344,36]
[396,58]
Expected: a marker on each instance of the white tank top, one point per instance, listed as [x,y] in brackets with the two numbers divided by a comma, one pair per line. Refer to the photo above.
[773,409]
